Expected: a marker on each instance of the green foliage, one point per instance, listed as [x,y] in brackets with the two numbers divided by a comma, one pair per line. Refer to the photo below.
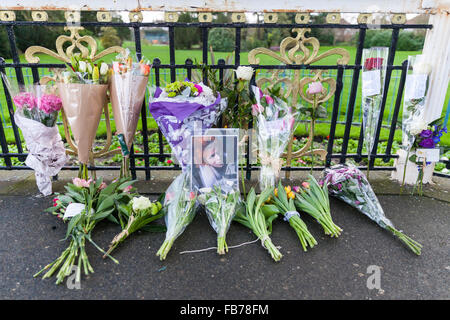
[221,39]
[109,37]
[407,40]
[187,37]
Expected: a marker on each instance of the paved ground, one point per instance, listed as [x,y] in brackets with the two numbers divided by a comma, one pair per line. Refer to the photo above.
[335,269]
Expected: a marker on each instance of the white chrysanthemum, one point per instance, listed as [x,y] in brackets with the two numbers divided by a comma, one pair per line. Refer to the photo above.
[141,203]
[244,73]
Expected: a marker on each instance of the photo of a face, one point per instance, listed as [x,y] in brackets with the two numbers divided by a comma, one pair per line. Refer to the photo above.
[214,161]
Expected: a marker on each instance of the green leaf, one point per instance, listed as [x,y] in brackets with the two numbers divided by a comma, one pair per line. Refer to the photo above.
[105,204]
[72,223]
[269,210]
[102,214]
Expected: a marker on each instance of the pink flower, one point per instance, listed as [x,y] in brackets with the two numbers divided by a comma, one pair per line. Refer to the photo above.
[102,186]
[116,67]
[128,189]
[269,99]
[169,161]
[192,195]
[25,99]
[169,196]
[81,182]
[256,109]
[199,88]
[261,94]
[50,103]
[315,87]
[305,185]
[296,188]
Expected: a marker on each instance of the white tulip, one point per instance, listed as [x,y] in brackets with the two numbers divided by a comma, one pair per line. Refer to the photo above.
[141,203]
[244,73]
[103,69]
[89,67]
[82,66]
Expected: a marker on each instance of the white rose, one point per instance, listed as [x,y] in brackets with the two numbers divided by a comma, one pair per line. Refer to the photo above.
[417,127]
[244,73]
[82,66]
[141,203]
[103,69]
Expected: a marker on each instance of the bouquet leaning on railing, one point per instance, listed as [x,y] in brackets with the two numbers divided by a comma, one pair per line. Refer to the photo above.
[83,87]
[274,124]
[252,216]
[349,184]
[180,109]
[37,108]
[283,202]
[128,85]
[312,198]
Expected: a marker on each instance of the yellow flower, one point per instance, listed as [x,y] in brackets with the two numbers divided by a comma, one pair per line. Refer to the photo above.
[291,195]
[276,192]
[288,189]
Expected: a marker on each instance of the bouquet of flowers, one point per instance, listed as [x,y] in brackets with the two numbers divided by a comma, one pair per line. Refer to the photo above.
[138,214]
[253,217]
[128,85]
[283,202]
[180,207]
[426,150]
[220,208]
[37,108]
[82,88]
[349,184]
[181,109]
[275,122]
[85,203]
[373,75]
[313,199]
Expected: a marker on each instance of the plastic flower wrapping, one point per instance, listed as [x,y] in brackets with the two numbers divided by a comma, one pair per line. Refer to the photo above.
[275,122]
[416,86]
[180,110]
[373,75]
[349,184]
[37,108]
[128,85]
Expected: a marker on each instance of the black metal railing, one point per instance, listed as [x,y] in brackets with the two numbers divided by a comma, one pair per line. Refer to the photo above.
[159,68]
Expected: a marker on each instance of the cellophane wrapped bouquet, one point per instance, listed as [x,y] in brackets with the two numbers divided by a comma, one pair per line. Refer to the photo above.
[128,85]
[181,108]
[37,108]
[349,184]
[274,123]
[373,77]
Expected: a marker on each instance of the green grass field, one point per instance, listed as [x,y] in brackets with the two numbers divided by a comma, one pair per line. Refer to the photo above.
[162,52]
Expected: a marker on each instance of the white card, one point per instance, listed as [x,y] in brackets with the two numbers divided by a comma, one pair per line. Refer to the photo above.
[430,155]
[415,86]
[371,83]
[73,209]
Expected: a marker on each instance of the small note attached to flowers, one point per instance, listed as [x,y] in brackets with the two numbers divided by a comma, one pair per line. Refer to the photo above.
[371,83]
[430,155]
[415,86]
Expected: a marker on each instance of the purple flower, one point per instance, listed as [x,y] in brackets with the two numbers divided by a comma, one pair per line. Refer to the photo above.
[426,134]
[427,143]
[357,202]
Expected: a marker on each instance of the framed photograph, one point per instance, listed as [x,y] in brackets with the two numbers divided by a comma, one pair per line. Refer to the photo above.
[214,156]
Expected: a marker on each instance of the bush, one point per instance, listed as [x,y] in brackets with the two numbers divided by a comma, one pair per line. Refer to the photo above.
[110,38]
[410,41]
[221,39]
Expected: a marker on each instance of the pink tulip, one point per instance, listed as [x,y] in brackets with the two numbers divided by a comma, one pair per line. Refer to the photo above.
[127,189]
[269,99]
[192,195]
[305,185]
[81,182]
[102,186]
[315,87]
[296,189]
[257,109]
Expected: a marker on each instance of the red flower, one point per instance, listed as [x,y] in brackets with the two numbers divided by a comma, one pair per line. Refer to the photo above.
[373,63]
[169,161]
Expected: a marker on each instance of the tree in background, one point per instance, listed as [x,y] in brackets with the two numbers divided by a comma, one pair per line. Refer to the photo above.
[187,37]
[109,37]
